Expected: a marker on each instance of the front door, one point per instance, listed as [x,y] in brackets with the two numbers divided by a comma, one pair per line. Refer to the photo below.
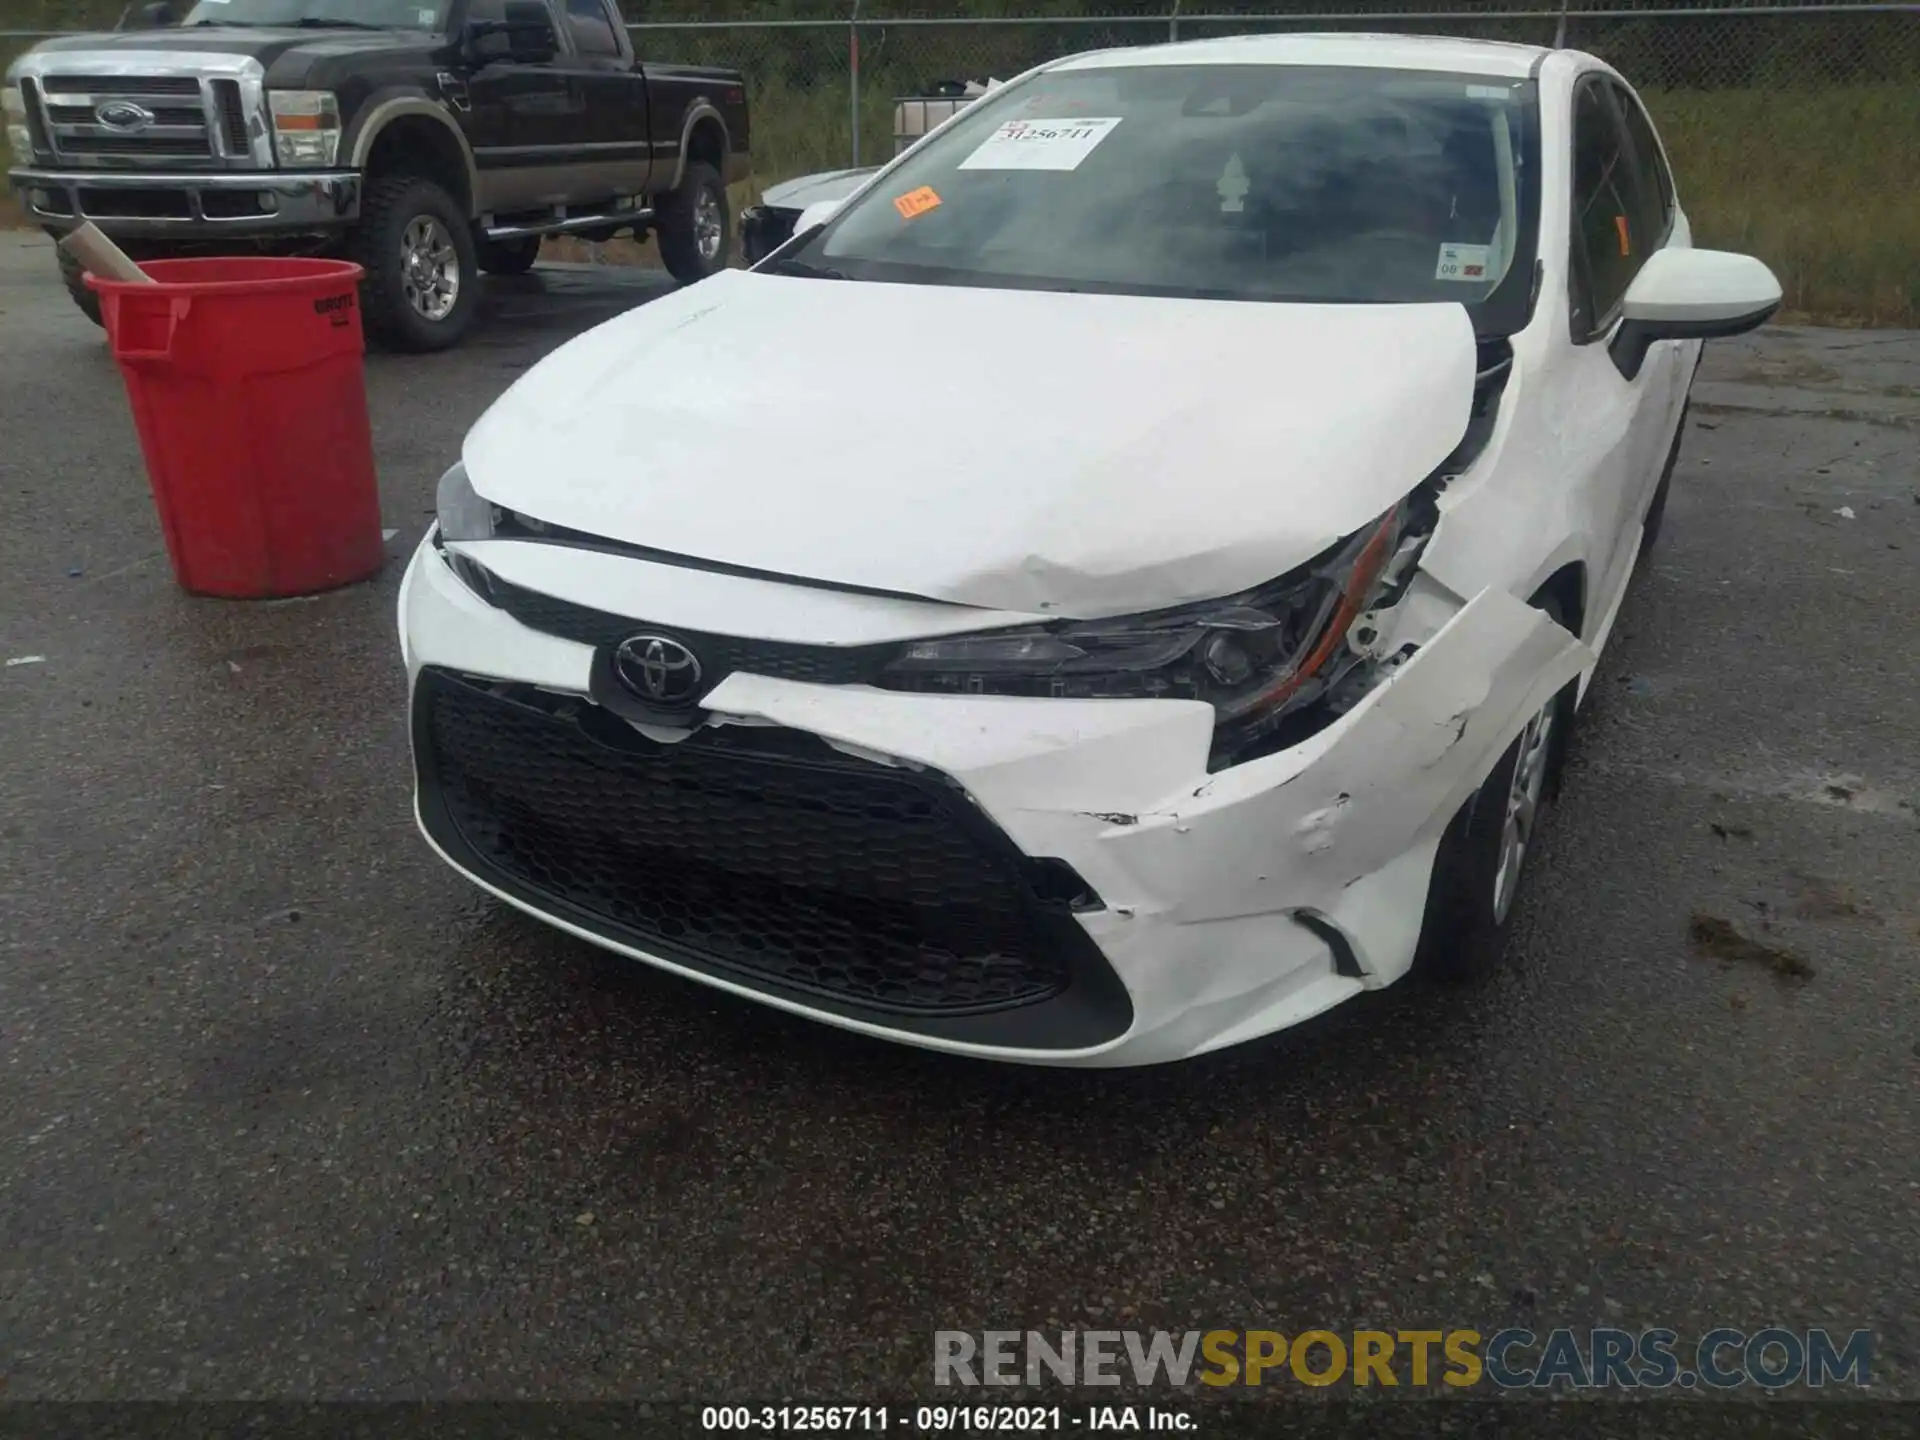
[523,119]
[1625,422]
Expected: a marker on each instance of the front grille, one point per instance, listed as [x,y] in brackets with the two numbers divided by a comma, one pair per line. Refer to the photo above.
[135,204]
[144,145]
[177,129]
[720,655]
[233,119]
[171,116]
[763,856]
[126,86]
[36,121]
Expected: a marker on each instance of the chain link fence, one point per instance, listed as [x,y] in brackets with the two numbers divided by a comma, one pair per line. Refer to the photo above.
[1795,127]
[828,73]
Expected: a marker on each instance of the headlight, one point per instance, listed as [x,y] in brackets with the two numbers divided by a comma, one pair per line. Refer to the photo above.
[306,127]
[1255,657]
[463,515]
[19,137]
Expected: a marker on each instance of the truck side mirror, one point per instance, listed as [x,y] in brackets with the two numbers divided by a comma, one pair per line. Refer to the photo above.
[154,16]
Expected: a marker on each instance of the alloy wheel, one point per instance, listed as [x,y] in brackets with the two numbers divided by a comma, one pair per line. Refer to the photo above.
[430,267]
[1524,792]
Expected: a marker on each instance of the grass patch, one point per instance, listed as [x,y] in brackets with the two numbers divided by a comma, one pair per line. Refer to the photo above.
[1818,183]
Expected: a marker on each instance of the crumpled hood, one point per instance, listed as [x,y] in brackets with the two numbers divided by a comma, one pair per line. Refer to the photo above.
[1080,455]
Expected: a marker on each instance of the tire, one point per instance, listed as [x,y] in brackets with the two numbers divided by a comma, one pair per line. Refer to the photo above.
[694,226]
[1464,932]
[72,273]
[1657,509]
[403,216]
[509,257]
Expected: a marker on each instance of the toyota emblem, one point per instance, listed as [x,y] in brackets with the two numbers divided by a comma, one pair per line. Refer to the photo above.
[123,115]
[657,669]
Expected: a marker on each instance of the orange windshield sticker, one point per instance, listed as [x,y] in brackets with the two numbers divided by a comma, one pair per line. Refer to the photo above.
[1620,224]
[916,203]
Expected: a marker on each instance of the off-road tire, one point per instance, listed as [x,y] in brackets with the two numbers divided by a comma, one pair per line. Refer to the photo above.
[678,223]
[388,205]
[509,257]
[1461,940]
[74,275]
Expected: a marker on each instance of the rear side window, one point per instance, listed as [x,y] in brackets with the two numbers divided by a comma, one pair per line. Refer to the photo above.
[592,30]
[1656,183]
[1609,236]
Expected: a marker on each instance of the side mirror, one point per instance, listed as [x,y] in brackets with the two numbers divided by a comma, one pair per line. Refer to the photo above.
[817,214]
[154,16]
[1684,294]
[525,35]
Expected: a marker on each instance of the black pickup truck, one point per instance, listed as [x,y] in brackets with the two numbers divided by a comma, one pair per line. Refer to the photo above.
[427,140]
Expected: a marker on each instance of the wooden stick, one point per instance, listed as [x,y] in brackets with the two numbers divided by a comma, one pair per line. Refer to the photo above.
[95,252]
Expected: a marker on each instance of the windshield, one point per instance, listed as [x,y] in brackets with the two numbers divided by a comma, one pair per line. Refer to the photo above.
[1246,182]
[347,14]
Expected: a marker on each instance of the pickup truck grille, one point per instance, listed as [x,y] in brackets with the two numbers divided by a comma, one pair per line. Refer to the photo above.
[168,119]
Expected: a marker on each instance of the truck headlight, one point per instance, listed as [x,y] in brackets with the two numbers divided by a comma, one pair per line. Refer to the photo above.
[306,127]
[19,137]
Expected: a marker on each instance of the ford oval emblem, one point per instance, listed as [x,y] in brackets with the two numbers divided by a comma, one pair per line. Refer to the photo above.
[657,669]
[123,115]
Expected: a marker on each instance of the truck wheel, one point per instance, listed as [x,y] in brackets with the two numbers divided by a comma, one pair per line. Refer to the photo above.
[509,257]
[421,289]
[74,275]
[693,227]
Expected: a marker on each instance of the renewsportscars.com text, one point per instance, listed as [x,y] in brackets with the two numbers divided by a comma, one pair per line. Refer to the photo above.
[1655,1359]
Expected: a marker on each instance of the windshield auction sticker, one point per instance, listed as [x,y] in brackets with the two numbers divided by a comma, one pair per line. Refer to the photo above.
[1040,144]
[916,203]
[1462,262]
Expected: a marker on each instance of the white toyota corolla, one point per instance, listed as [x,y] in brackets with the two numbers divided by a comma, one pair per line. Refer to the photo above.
[1115,586]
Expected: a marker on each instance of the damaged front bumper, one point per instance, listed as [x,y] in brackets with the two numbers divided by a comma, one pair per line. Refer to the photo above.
[1224,905]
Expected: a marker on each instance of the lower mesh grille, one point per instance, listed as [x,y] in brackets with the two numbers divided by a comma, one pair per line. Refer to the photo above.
[767,857]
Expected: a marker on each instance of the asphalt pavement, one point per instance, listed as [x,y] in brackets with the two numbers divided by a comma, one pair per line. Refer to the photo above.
[288,1110]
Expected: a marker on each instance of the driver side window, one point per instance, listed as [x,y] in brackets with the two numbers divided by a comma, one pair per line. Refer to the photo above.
[1609,232]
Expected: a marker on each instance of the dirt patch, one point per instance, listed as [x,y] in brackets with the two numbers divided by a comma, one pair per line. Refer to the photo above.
[1721,940]
[571,249]
[1796,371]
[1830,900]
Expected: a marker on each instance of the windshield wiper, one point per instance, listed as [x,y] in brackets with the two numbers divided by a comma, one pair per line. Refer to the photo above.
[805,271]
[321,22]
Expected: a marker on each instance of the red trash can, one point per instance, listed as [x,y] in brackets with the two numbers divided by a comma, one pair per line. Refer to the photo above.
[248,392]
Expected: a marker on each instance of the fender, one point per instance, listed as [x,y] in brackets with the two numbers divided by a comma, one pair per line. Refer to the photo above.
[700,109]
[380,113]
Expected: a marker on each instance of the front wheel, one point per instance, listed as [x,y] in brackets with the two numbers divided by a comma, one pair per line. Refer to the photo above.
[421,289]
[694,227]
[1484,851]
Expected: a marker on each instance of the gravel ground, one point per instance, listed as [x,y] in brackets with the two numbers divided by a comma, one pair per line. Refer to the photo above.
[287,1110]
